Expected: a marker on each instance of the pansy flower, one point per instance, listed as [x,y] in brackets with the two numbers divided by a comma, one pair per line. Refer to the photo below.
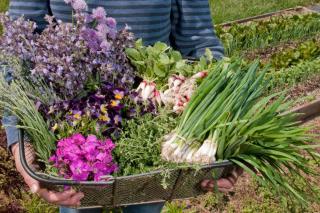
[115,103]
[103,109]
[118,95]
[77,115]
[104,118]
[117,119]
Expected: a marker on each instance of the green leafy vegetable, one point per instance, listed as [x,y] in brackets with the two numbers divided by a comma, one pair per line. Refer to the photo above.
[156,63]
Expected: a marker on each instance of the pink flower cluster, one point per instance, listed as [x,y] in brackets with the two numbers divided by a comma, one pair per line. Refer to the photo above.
[83,159]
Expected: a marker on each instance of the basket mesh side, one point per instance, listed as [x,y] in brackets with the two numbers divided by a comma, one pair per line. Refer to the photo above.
[189,184]
[144,188]
[97,195]
[147,188]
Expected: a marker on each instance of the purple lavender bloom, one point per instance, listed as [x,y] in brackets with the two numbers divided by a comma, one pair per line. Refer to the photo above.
[92,39]
[105,46]
[111,22]
[99,13]
[79,5]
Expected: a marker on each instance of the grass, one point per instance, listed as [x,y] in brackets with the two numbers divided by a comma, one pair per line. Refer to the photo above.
[228,10]
[4,5]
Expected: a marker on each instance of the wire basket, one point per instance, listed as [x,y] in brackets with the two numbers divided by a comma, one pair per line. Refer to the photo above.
[152,187]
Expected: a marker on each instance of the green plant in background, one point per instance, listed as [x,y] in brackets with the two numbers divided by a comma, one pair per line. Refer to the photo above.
[286,77]
[174,208]
[3,7]
[259,34]
[305,52]
[35,204]
[229,10]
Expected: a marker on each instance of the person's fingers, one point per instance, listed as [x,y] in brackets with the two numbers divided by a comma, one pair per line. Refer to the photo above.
[223,185]
[226,183]
[204,183]
[32,183]
[207,185]
[74,201]
[238,171]
[56,197]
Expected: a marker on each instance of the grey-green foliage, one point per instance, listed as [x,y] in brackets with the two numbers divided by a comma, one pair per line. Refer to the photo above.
[17,99]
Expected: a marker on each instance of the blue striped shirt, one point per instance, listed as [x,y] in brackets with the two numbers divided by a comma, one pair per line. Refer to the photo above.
[184,24]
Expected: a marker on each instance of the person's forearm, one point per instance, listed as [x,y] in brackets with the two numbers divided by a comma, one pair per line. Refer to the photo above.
[12,133]
[192,29]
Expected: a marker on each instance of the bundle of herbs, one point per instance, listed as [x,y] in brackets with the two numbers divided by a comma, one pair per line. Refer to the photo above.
[227,118]
[138,149]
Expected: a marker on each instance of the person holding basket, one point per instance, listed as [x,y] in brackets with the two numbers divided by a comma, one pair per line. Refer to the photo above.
[184,24]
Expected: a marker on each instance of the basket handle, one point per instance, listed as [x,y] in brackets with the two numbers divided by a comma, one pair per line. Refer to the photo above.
[49,179]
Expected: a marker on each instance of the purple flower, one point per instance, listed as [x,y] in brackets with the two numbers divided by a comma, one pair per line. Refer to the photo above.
[79,5]
[91,38]
[99,13]
[78,139]
[80,170]
[111,22]
[92,139]
[105,46]
[117,119]
[91,159]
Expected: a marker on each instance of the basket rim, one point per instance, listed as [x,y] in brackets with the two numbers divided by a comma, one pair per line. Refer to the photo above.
[46,178]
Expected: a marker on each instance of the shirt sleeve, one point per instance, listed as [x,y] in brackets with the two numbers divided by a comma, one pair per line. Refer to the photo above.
[9,121]
[33,10]
[192,29]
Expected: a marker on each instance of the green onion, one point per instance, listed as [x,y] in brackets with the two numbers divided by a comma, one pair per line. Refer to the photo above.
[227,118]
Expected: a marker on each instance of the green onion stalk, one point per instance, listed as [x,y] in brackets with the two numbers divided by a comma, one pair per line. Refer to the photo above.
[228,119]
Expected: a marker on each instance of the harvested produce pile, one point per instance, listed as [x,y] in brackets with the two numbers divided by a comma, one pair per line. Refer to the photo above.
[89,113]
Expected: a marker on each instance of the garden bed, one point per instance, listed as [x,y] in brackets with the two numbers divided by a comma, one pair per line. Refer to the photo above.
[264,17]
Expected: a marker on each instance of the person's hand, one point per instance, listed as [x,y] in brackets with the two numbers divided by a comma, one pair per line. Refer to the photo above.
[224,184]
[68,198]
